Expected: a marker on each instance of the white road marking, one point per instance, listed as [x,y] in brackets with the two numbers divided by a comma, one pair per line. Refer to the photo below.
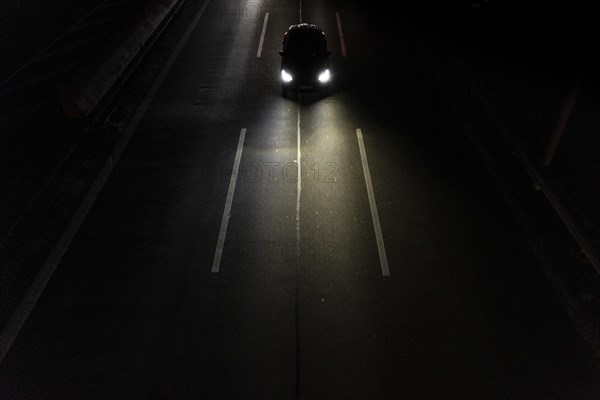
[341,34]
[262,35]
[298,185]
[298,257]
[227,211]
[385,270]
[12,329]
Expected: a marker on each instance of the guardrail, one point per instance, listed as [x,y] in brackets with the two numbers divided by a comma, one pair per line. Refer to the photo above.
[82,93]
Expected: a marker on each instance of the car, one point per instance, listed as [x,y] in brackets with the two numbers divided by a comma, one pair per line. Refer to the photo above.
[304,60]
[478,8]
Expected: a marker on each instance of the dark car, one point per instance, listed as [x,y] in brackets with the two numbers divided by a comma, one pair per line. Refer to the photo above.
[304,60]
[478,8]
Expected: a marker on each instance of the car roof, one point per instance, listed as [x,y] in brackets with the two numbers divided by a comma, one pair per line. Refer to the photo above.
[304,28]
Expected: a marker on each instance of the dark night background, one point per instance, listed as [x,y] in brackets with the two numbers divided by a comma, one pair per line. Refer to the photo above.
[114,178]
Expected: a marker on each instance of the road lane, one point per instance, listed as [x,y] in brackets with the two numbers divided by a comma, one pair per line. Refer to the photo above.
[339,355]
[469,313]
[135,312]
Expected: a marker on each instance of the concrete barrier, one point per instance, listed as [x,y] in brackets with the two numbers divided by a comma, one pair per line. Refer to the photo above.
[92,81]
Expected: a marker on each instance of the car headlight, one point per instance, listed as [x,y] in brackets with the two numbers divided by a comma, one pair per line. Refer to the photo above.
[324,76]
[285,77]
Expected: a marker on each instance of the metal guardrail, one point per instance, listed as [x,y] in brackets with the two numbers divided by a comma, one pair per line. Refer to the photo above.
[32,88]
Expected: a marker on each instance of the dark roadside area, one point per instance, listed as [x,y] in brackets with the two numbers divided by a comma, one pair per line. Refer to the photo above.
[521,79]
[44,157]
[48,161]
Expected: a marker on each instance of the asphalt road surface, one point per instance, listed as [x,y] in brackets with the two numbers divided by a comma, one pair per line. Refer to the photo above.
[361,250]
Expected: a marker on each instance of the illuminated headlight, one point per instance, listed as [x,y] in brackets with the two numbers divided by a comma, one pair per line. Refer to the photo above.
[285,77]
[325,76]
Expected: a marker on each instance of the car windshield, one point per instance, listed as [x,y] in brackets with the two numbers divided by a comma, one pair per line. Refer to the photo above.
[305,45]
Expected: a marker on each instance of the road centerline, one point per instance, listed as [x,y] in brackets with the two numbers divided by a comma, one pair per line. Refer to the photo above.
[262,36]
[298,254]
[227,210]
[373,205]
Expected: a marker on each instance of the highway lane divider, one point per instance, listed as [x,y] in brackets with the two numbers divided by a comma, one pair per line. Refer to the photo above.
[228,202]
[262,36]
[385,270]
